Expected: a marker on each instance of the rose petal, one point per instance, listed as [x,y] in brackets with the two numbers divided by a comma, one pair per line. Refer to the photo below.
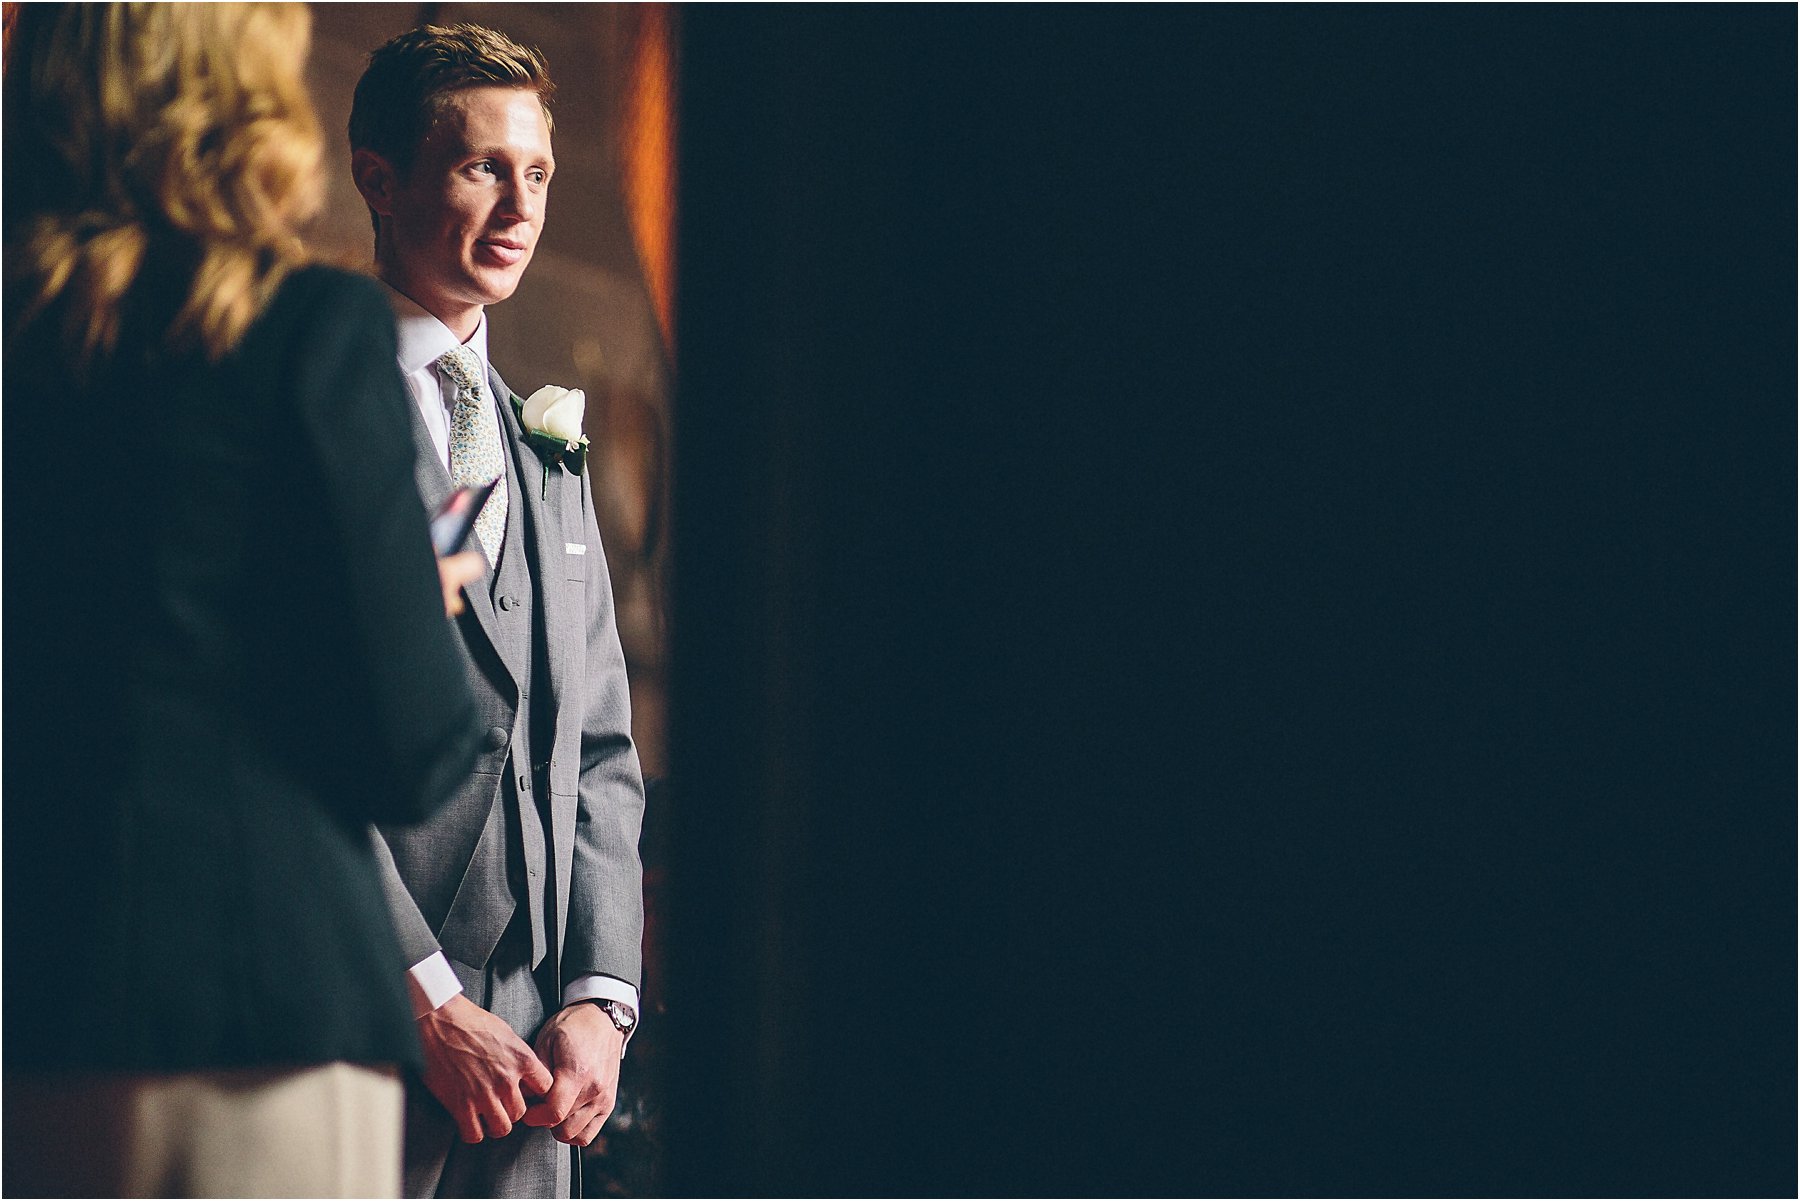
[562,418]
[539,404]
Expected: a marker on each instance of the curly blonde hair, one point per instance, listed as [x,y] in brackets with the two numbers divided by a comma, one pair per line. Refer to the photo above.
[178,133]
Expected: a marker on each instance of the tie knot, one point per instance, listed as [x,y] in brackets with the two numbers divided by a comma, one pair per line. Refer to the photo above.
[462,367]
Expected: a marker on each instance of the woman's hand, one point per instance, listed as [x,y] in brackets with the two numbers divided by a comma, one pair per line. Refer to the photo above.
[454,572]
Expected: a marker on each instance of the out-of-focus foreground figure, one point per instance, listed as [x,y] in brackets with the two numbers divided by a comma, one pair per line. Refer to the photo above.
[226,652]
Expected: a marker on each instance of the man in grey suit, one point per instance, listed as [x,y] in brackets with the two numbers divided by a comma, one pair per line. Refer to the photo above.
[520,904]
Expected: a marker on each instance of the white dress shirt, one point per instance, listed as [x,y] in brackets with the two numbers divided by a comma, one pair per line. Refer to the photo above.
[423,340]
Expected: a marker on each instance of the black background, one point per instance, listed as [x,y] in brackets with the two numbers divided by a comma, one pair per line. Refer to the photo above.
[1234,614]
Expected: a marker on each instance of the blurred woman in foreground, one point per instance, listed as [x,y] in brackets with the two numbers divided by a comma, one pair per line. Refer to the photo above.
[225,644]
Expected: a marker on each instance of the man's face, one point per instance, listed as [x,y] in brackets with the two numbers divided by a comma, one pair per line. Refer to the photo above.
[465,221]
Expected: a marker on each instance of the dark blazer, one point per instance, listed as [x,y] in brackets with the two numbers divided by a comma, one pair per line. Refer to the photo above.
[225,655]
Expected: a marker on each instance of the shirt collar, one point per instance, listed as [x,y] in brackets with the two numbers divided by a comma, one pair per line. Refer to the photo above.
[424,339]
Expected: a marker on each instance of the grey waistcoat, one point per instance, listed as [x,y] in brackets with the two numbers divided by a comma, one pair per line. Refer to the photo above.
[519,639]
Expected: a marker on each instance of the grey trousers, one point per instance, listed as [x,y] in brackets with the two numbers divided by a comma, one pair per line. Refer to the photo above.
[529,1162]
[326,1131]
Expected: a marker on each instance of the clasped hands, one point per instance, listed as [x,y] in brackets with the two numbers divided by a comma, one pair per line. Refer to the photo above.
[482,1072]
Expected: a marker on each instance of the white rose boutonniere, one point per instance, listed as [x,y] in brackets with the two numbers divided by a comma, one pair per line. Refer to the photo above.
[552,420]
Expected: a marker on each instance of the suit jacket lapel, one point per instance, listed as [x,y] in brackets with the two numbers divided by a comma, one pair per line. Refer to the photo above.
[434,489]
[428,469]
[541,501]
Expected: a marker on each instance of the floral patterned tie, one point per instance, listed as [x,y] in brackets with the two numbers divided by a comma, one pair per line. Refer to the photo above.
[475,454]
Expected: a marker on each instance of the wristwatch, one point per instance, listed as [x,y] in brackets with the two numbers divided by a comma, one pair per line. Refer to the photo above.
[620,1013]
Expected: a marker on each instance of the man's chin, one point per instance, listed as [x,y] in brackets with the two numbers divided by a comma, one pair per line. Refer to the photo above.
[492,287]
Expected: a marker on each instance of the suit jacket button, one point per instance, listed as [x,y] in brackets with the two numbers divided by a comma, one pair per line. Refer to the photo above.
[496,738]
[507,602]
[524,782]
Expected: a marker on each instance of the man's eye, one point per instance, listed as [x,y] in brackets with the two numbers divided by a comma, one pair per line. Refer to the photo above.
[486,166]
[538,177]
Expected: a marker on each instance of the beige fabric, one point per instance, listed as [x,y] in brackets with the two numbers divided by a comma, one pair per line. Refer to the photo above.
[330,1131]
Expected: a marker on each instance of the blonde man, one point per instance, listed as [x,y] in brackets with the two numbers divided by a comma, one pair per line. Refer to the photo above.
[520,906]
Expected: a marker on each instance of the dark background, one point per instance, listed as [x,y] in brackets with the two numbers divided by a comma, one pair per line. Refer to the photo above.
[1234,602]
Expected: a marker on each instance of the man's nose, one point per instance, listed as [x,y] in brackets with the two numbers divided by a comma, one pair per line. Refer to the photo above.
[519,201]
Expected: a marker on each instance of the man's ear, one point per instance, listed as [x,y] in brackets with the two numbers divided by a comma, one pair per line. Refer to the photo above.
[376,179]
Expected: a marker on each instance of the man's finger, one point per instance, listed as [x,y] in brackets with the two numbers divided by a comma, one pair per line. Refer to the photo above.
[578,1122]
[554,1109]
[494,1116]
[467,1124]
[513,1102]
[592,1132]
[536,1078]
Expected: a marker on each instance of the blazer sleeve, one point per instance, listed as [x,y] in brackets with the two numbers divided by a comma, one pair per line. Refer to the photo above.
[417,942]
[410,725]
[606,901]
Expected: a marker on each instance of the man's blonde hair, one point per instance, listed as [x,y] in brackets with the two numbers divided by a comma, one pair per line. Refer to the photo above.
[177,132]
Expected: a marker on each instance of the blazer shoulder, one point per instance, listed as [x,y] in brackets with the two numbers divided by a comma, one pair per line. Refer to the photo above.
[317,303]
[319,318]
[317,282]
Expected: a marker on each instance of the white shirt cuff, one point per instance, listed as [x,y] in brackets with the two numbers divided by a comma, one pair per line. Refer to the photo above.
[431,982]
[605,988]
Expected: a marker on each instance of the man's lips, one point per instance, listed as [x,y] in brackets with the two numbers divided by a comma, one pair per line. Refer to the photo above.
[502,252]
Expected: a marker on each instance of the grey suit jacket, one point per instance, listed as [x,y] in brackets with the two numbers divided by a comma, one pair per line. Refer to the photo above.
[438,876]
